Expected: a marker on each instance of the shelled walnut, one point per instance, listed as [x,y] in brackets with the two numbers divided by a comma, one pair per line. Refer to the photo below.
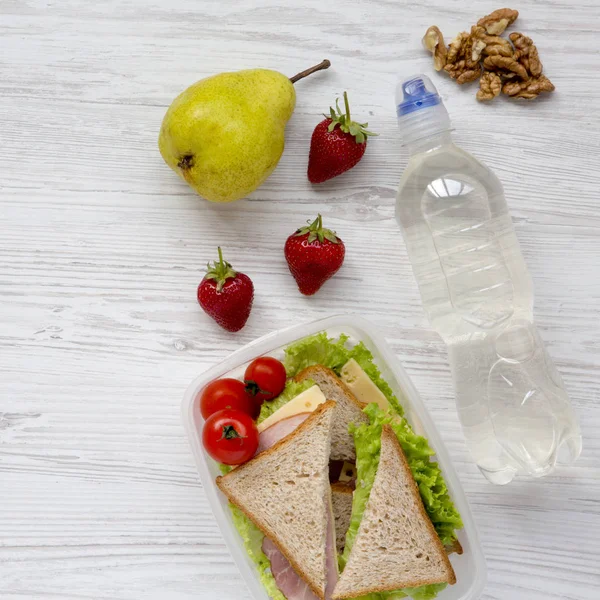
[495,23]
[526,53]
[506,65]
[511,66]
[433,40]
[456,45]
[490,86]
[528,89]
[462,72]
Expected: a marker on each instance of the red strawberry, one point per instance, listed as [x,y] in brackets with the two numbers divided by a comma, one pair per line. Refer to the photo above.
[314,254]
[226,295]
[337,144]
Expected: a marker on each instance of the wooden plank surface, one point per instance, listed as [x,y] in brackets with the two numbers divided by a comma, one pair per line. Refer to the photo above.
[101,249]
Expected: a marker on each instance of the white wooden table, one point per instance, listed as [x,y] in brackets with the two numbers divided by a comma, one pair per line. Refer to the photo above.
[102,247]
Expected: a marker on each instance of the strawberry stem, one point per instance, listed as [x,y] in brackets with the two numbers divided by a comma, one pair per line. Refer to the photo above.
[220,271]
[347,106]
[325,64]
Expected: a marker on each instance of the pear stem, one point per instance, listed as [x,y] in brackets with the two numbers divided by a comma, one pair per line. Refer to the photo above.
[322,65]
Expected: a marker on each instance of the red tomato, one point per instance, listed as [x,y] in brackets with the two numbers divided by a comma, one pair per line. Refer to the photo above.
[265,378]
[230,436]
[226,393]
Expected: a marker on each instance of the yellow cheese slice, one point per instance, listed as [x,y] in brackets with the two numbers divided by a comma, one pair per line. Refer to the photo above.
[305,402]
[348,472]
[361,385]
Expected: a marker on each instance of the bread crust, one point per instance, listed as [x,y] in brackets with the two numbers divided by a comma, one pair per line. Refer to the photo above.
[286,441]
[306,374]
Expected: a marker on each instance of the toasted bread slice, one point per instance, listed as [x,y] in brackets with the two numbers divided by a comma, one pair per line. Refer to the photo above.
[396,545]
[341,500]
[285,491]
[348,409]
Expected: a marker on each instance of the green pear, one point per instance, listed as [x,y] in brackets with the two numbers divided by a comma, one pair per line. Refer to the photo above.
[225,134]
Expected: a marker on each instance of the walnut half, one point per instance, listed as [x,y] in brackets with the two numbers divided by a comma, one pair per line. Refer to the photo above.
[433,40]
[455,48]
[462,72]
[495,23]
[505,63]
[526,53]
[528,89]
[490,86]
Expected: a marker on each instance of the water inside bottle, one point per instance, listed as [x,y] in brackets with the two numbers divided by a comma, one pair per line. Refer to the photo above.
[456,209]
[478,295]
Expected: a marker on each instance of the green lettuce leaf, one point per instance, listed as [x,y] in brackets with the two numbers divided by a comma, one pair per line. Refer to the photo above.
[291,390]
[316,349]
[425,592]
[427,474]
[334,353]
[253,539]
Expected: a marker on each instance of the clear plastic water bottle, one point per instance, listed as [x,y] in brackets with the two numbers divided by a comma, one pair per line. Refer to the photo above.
[478,294]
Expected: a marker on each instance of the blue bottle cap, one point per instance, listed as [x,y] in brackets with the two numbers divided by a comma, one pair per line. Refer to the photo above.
[417,93]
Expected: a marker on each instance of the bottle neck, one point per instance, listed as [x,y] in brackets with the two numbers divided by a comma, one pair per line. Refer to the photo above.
[430,142]
[426,129]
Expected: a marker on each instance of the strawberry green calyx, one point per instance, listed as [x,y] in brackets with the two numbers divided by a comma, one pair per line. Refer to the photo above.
[346,124]
[316,231]
[220,271]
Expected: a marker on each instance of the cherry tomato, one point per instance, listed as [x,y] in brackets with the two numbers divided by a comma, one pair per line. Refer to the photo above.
[265,378]
[227,393]
[230,436]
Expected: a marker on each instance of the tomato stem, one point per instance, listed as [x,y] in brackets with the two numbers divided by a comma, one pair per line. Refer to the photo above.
[253,389]
[229,433]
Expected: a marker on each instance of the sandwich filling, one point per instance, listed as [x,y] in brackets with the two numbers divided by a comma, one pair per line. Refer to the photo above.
[276,574]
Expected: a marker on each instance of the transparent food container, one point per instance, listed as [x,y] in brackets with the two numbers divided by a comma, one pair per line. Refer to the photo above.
[470,567]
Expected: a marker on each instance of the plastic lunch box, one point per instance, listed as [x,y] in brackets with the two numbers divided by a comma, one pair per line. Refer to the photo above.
[470,567]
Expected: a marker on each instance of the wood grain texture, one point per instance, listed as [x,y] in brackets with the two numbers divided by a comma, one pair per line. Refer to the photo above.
[101,248]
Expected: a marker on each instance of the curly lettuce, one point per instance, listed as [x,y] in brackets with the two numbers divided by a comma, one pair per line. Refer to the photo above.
[425,592]
[319,349]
